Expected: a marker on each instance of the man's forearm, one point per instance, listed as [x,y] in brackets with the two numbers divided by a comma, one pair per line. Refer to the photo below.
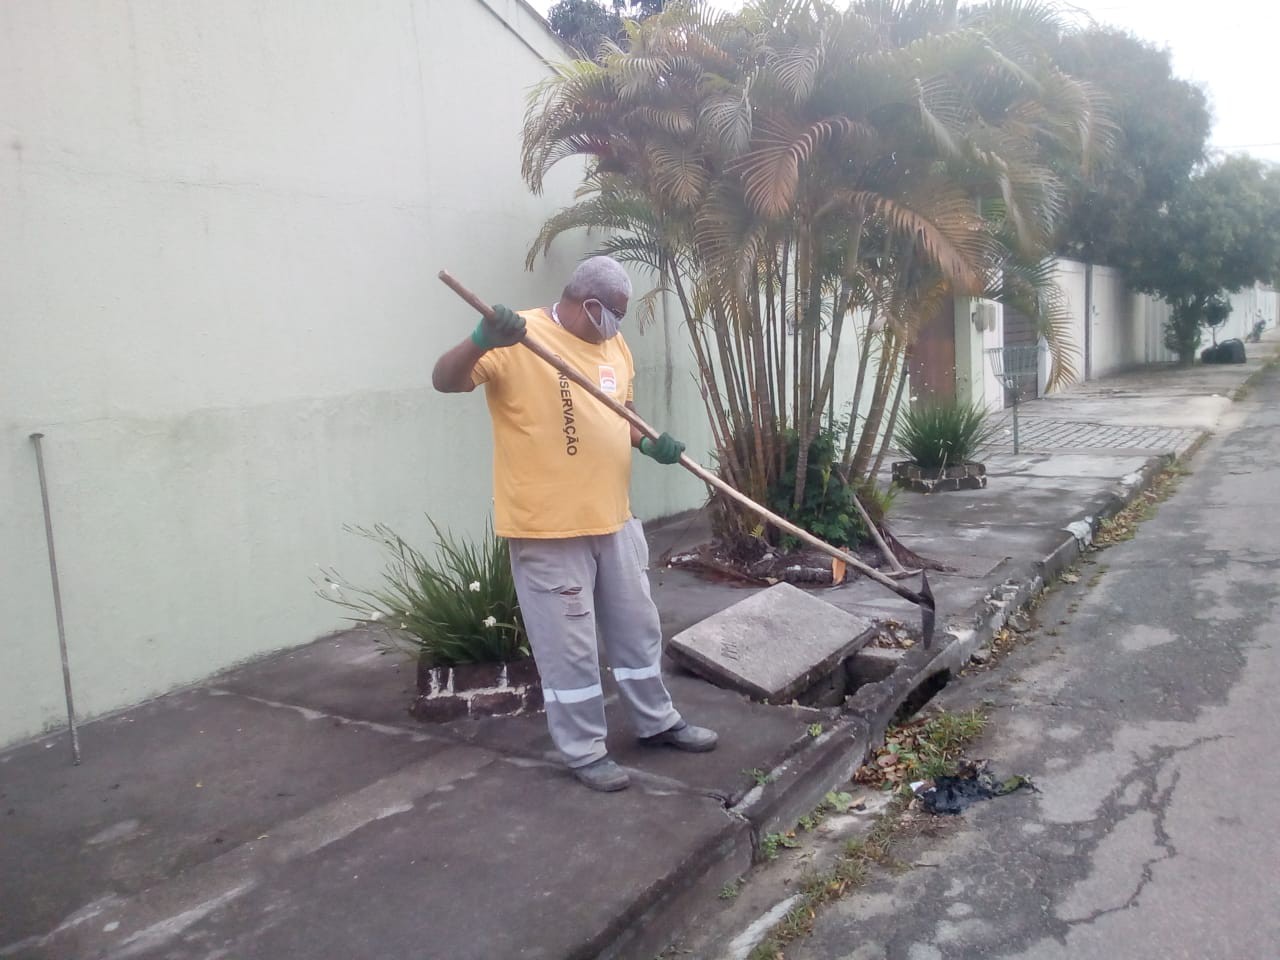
[452,373]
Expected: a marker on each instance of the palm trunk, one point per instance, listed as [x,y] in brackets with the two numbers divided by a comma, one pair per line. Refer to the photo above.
[892,426]
[864,358]
[707,378]
[871,429]
[809,283]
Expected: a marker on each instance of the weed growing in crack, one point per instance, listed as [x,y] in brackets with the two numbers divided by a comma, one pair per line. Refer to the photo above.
[771,843]
[940,739]
[849,872]
[1124,525]
[922,749]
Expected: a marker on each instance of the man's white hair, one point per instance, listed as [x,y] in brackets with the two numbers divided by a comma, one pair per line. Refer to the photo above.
[599,278]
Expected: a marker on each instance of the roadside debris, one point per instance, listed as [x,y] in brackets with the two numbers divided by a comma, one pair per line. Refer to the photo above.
[950,795]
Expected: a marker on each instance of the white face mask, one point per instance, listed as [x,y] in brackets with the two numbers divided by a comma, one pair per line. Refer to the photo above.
[608,324]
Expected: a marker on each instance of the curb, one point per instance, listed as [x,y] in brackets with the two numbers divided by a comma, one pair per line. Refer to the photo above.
[676,902]
[690,892]
[799,783]
[975,628]
[1269,361]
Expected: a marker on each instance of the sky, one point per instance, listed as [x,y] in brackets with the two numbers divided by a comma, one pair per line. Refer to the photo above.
[1231,48]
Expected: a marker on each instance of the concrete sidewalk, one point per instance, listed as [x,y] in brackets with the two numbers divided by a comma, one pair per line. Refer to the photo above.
[291,808]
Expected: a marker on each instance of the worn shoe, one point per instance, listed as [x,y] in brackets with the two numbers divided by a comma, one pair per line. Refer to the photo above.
[603,775]
[684,736]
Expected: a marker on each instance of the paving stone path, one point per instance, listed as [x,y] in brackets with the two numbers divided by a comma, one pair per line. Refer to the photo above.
[1042,433]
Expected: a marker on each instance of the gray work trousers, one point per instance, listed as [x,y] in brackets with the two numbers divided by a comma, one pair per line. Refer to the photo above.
[570,587]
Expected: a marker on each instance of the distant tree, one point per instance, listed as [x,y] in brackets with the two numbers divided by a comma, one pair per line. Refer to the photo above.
[638,9]
[586,24]
[1163,125]
[1219,233]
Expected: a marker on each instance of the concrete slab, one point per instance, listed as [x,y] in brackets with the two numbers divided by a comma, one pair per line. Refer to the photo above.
[348,674]
[167,786]
[1092,466]
[752,736]
[771,645]
[468,871]
[685,597]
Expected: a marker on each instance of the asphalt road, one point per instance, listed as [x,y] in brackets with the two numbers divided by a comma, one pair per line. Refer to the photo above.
[1146,711]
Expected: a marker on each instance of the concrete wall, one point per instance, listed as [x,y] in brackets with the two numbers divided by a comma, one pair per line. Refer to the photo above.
[1247,308]
[1115,339]
[1150,316]
[1070,277]
[220,226]
[976,382]
[1121,329]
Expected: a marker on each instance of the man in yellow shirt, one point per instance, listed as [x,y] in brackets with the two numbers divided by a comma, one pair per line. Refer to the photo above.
[561,473]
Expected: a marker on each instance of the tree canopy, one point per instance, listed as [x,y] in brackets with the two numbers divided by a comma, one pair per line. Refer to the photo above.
[1219,233]
[796,169]
[1163,125]
[586,24]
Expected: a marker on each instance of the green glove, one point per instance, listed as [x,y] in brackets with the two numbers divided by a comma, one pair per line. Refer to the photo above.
[666,449]
[505,329]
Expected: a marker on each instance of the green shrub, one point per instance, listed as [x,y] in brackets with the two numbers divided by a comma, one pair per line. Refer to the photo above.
[937,435]
[460,607]
[878,501]
[827,510]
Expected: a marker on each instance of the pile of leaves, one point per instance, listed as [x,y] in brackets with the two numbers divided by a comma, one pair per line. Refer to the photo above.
[1124,524]
[893,634]
[921,749]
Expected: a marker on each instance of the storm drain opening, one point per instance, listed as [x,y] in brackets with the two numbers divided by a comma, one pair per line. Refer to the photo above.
[917,699]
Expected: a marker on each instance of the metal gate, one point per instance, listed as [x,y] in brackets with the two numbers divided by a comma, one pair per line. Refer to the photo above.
[1019,331]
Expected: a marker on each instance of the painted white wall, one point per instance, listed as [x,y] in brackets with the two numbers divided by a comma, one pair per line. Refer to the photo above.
[1150,316]
[1070,277]
[220,226]
[1247,308]
[976,381]
[1116,339]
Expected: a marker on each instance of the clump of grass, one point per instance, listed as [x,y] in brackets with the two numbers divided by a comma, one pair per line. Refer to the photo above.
[458,607]
[1124,525]
[836,801]
[849,872]
[731,889]
[771,843]
[936,435]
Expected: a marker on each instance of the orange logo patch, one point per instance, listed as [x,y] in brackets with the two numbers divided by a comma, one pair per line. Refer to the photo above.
[608,379]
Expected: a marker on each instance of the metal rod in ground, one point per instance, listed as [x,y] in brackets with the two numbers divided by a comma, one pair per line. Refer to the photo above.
[57,599]
[1015,419]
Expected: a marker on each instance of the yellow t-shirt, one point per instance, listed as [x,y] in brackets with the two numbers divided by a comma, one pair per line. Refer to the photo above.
[561,458]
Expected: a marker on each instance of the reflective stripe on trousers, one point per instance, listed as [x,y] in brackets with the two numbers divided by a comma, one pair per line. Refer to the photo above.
[569,591]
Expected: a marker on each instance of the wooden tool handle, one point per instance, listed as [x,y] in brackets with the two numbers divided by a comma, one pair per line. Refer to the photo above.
[924,599]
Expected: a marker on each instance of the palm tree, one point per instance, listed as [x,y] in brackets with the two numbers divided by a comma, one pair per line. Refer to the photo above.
[794,171]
